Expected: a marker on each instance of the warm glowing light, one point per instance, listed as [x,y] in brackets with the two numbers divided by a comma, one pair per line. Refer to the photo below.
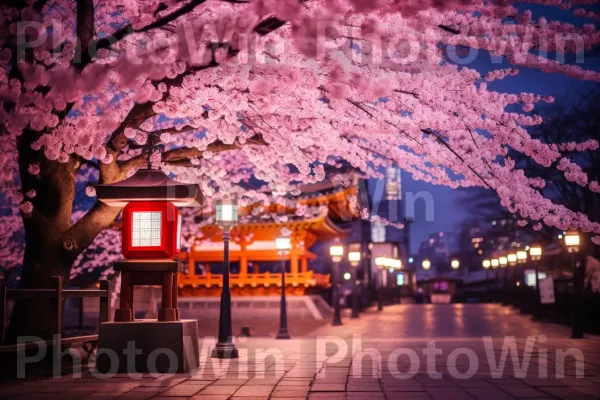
[354,258]
[336,252]
[572,241]
[382,261]
[503,261]
[283,243]
[395,264]
[426,264]
[535,252]
[455,264]
[512,258]
[226,213]
[486,264]
[495,263]
[521,256]
[347,276]
[146,227]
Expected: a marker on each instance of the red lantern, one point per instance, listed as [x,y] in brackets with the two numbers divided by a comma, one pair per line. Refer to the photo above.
[151,229]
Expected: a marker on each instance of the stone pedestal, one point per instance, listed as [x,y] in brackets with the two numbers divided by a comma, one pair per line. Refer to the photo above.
[148,346]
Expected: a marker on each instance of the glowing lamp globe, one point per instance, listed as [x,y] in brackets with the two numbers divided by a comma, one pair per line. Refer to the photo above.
[512,259]
[455,264]
[151,222]
[336,251]
[486,264]
[521,256]
[283,244]
[354,258]
[426,264]
[503,261]
[495,262]
[535,252]
[572,241]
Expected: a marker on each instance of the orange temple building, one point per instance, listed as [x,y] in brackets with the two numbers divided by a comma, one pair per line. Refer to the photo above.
[253,243]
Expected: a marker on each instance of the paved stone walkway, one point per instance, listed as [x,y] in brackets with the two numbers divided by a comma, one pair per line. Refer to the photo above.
[413,352]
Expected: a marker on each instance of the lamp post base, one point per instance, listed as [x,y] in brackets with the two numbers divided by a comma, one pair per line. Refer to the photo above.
[225,350]
[283,334]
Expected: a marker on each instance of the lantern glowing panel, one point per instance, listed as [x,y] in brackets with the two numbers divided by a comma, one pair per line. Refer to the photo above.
[151,229]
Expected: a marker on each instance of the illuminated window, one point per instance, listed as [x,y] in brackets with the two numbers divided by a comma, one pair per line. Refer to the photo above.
[146,229]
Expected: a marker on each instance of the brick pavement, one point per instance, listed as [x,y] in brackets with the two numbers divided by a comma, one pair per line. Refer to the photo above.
[379,356]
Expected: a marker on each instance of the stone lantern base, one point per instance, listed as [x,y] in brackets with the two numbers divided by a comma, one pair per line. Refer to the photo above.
[148,346]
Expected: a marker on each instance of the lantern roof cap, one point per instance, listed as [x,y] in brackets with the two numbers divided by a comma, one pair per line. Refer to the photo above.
[149,185]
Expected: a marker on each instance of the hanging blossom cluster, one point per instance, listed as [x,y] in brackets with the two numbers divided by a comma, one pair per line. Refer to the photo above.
[276,90]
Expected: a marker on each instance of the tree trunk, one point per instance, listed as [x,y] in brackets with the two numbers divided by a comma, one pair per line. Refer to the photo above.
[52,242]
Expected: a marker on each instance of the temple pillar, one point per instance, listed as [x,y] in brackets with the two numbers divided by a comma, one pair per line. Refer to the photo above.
[191,265]
[255,268]
[243,261]
[304,265]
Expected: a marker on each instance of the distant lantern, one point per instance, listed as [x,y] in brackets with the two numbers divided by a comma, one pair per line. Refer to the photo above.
[426,264]
[521,256]
[572,241]
[455,264]
[495,262]
[512,259]
[486,264]
[395,264]
[354,258]
[503,261]
[336,251]
[535,252]
[151,222]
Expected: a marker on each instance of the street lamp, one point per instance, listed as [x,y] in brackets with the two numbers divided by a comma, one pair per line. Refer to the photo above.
[503,261]
[572,241]
[512,259]
[521,256]
[426,264]
[354,259]
[455,264]
[381,263]
[535,252]
[336,251]
[486,264]
[283,245]
[226,218]
[495,263]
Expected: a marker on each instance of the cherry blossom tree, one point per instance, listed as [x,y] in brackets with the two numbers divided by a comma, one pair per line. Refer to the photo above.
[270,90]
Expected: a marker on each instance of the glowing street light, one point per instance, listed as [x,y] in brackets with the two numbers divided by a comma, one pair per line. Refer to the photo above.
[487,264]
[395,264]
[336,251]
[503,261]
[535,252]
[512,259]
[455,264]
[495,263]
[226,217]
[521,256]
[426,264]
[572,241]
[354,259]
[283,245]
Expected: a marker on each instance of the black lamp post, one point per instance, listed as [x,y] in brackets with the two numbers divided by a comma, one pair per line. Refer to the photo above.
[283,245]
[336,251]
[535,254]
[572,241]
[354,259]
[381,263]
[226,217]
